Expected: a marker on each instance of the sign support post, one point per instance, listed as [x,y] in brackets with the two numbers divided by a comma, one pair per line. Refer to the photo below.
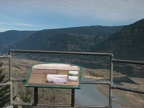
[35,96]
[72,97]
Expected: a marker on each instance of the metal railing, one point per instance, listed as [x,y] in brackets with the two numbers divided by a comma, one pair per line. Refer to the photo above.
[128,62]
[108,82]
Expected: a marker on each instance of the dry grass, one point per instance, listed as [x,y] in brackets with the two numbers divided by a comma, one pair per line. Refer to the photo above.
[98,73]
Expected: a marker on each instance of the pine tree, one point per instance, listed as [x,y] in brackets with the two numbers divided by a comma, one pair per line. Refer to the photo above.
[25,95]
[4,90]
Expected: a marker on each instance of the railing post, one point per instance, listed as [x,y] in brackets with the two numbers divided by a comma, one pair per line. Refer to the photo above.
[111,81]
[10,78]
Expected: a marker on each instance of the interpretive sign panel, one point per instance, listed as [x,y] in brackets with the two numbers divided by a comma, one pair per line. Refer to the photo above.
[54,75]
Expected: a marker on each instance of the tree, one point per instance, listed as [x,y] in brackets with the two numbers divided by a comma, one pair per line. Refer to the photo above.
[4,90]
[25,95]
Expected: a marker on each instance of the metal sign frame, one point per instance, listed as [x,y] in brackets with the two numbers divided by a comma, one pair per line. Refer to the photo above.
[54,72]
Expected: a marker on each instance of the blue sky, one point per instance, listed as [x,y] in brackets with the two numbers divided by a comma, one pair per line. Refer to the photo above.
[49,14]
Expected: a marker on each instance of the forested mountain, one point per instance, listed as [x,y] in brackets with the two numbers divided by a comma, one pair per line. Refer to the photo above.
[9,38]
[77,36]
[126,44]
[73,42]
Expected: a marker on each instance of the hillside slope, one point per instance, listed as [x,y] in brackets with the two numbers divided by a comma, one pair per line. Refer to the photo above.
[9,38]
[73,42]
[41,40]
[126,44]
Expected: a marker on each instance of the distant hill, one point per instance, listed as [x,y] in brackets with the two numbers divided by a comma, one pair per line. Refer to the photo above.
[73,42]
[71,39]
[127,43]
[9,38]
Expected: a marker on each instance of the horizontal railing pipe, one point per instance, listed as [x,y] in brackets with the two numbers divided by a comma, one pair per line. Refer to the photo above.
[83,82]
[4,84]
[1,57]
[60,105]
[91,106]
[128,61]
[18,79]
[60,52]
[128,89]
[96,82]
[41,104]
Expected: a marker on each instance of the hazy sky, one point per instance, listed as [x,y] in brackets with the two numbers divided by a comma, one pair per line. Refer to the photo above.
[48,14]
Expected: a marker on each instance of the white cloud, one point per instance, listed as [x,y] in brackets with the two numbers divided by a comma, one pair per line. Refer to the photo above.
[24,24]
[18,24]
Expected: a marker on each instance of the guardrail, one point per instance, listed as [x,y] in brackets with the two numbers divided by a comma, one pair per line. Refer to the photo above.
[109,82]
[128,62]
